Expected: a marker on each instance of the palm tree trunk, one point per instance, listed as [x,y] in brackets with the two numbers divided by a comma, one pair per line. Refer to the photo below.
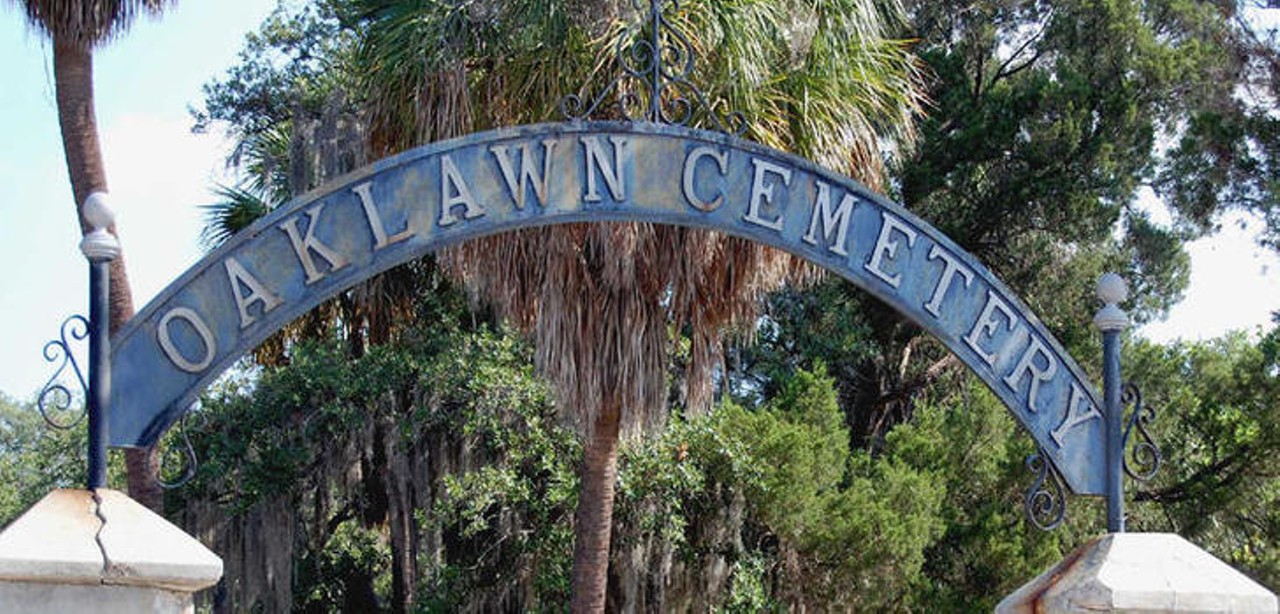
[73,82]
[594,516]
[141,467]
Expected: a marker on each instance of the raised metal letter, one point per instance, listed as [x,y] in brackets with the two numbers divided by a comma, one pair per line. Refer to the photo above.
[887,246]
[763,193]
[839,218]
[528,173]
[171,351]
[690,166]
[380,238]
[987,325]
[613,175]
[304,244]
[238,275]
[453,192]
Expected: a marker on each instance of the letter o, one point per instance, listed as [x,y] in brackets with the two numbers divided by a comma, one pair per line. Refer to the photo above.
[202,329]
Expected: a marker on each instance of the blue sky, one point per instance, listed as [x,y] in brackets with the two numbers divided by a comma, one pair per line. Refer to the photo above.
[157,170]
[159,173]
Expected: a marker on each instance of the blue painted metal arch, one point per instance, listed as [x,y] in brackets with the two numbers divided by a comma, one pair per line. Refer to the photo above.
[402,207]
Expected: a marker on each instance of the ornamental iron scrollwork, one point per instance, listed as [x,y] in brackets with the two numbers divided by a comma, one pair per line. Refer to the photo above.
[56,398]
[1046,500]
[1142,456]
[170,451]
[656,61]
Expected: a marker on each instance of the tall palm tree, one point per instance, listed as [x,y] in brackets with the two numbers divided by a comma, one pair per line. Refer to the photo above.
[75,27]
[821,78]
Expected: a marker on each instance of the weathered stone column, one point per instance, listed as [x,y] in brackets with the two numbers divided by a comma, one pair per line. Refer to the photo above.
[1140,572]
[100,551]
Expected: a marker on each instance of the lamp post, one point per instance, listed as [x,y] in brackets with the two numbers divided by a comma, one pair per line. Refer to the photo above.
[1112,320]
[100,247]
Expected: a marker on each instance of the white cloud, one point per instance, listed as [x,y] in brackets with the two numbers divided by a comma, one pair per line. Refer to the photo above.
[160,173]
[1235,285]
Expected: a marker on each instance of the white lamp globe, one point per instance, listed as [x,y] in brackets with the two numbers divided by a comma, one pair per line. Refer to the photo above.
[1112,289]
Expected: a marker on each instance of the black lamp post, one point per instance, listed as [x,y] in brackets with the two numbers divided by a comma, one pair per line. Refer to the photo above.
[100,247]
[1112,321]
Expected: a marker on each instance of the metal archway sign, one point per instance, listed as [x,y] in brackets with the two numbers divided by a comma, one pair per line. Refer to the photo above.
[405,206]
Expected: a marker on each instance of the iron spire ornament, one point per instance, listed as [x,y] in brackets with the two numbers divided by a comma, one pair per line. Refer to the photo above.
[656,63]
[1130,448]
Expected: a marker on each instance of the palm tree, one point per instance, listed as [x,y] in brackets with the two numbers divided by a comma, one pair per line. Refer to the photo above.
[75,27]
[821,78]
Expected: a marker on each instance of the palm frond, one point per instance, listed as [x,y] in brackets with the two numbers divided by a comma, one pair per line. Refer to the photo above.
[237,210]
[265,158]
[824,79]
[604,301]
[86,23]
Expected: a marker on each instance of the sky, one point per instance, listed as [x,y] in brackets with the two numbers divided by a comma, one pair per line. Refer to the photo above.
[157,170]
[160,173]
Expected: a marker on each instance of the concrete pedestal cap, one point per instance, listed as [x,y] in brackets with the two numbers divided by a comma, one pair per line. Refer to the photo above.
[69,537]
[1140,572]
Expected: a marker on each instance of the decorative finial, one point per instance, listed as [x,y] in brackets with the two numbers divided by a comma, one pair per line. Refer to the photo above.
[1112,290]
[99,245]
[656,63]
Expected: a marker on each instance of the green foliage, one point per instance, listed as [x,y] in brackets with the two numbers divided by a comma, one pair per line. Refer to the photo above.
[748,586]
[512,512]
[931,522]
[35,458]
[820,523]
[894,483]
[345,574]
[1218,424]
[1049,118]
[654,482]
[298,58]
[800,446]
[259,445]
[826,80]
[466,402]
[237,210]
[965,437]
[1225,153]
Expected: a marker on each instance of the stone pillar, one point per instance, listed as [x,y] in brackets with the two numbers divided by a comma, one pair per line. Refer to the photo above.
[100,551]
[1140,572]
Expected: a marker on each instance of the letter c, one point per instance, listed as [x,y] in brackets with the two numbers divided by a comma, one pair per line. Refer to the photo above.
[691,164]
